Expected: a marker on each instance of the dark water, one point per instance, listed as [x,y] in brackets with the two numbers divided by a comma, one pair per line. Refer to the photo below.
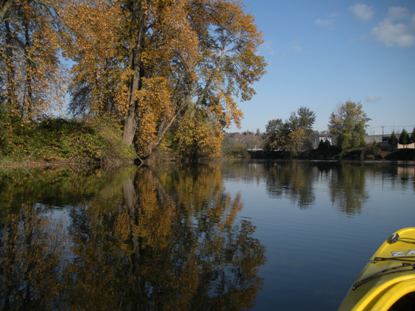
[266,236]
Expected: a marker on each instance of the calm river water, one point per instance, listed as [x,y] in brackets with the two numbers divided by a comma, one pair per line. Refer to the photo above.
[231,236]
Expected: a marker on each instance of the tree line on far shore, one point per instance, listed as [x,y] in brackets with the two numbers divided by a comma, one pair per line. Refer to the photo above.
[347,128]
[346,131]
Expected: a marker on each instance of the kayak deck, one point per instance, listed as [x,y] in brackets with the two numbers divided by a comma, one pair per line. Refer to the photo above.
[389,275]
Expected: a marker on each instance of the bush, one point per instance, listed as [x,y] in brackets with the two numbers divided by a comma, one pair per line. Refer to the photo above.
[235,150]
[373,149]
[59,140]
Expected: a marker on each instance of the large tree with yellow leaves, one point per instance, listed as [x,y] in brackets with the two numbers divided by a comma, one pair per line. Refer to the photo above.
[30,75]
[149,62]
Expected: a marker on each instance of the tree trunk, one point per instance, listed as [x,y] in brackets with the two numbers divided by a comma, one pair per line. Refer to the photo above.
[28,103]
[130,125]
[10,70]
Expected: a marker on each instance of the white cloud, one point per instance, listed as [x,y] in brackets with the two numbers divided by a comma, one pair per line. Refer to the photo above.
[324,22]
[397,29]
[394,34]
[372,99]
[398,12]
[362,11]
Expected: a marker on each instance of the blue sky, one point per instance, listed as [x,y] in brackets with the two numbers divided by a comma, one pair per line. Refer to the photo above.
[322,53]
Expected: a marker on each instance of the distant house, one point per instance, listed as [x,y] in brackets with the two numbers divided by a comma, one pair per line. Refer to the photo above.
[322,136]
[255,149]
[406,146]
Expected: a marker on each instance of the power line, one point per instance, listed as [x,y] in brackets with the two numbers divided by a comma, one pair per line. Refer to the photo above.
[388,129]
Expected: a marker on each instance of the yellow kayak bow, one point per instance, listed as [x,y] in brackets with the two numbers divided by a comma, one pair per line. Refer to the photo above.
[388,280]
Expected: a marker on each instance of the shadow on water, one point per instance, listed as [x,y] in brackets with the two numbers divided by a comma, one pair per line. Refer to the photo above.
[125,240]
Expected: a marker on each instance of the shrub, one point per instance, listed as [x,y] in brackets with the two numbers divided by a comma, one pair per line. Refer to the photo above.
[59,139]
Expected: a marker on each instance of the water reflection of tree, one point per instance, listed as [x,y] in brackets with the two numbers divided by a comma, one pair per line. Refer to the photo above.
[296,179]
[293,179]
[348,189]
[145,240]
[30,251]
[170,243]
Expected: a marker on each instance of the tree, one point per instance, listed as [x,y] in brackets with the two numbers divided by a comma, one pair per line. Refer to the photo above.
[144,63]
[413,136]
[29,62]
[276,135]
[304,118]
[348,125]
[301,124]
[324,145]
[157,59]
[404,138]
[294,134]
[296,140]
[129,61]
[393,140]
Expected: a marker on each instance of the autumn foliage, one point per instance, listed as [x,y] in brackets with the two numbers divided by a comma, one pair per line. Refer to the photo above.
[160,68]
[30,75]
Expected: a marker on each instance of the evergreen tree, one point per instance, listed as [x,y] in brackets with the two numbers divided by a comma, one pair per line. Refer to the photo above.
[393,140]
[413,136]
[404,137]
[323,145]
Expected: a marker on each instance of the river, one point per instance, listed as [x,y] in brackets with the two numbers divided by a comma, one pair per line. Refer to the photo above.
[227,236]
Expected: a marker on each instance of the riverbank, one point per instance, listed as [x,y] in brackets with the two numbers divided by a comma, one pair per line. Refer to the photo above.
[358,154]
[57,142]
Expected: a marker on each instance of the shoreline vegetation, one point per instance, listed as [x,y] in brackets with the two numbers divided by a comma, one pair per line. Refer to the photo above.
[154,76]
[236,148]
[345,139]
[144,81]
[358,155]
[97,142]
[59,142]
